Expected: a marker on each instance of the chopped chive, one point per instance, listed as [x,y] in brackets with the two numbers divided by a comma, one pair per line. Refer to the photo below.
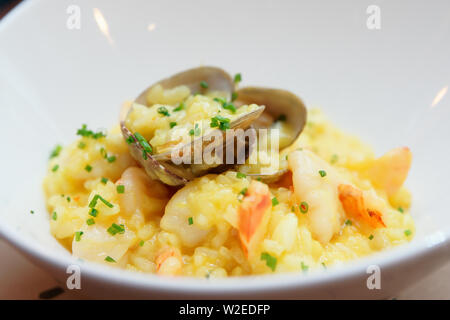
[322,173]
[401,209]
[90,221]
[68,199]
[304,267]
[281,117]
[78,235]
[243,191]
[240,175]
[111,159]
[141,243]
[274,201]
[271,261]
[304,207]
[104,180]
[237,78]
[191,132]
[229,106]
[234,96]
[84,132]
[259,179]
[81,145]
[172,124]
[221,122]
[408,232]
[144,144]
[120,189]
[115,228]
[179,108]
[371,237]
[348,222]
[129,140]
[324,265]
[191,220]
[55,152]
[88,168]
[93,212]
[109,259]
[54,215]
[55,167]
[204,84]
[32,211]
[97,197]
[163,111]
[103,152]
[222,101]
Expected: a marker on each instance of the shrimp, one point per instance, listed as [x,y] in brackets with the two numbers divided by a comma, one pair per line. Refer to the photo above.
[176,218]
[320,193]
[141,193]
[169,262]
[390,171]
[253,215]
[353,203]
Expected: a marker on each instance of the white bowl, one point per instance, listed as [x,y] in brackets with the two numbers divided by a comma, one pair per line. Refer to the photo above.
[387,85]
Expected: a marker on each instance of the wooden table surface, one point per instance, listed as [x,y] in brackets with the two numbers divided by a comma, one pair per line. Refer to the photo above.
[22,280]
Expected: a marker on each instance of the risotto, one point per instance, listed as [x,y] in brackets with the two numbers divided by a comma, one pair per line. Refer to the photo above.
[336,201]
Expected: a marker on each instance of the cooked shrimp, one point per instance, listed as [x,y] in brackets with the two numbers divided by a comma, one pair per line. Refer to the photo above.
[252,215]
[320,193]
[169,262]
[141,193]
[352,200]
[389,172]
[176,218]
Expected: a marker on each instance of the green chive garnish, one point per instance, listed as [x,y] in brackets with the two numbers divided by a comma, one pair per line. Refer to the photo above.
[55,152]
[172,124]
[104,180]
[204,84]
[32,211]
[120,189]
[322,173]
[243,191]
[93,212]
[240,175]
[348,222]
[81,145]
[97,197]
[237,78]
[371,237]
[90,221]
[408,232]
[84,132]
[115,228]
[179,108]
[274,201]
[401,209]
[234,96]
[191,220]
[304,267]
[144,144]
[163,111]
[55,167]
[54,215]
[78,235]
[109,259]
[88,168]
[141,243]
[271,261]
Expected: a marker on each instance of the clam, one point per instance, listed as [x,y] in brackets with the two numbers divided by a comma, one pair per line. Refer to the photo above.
[159,166]
[279,104]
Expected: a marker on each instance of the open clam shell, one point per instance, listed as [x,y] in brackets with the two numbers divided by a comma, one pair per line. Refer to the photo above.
[278,103]
[159,166]
[217,79]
